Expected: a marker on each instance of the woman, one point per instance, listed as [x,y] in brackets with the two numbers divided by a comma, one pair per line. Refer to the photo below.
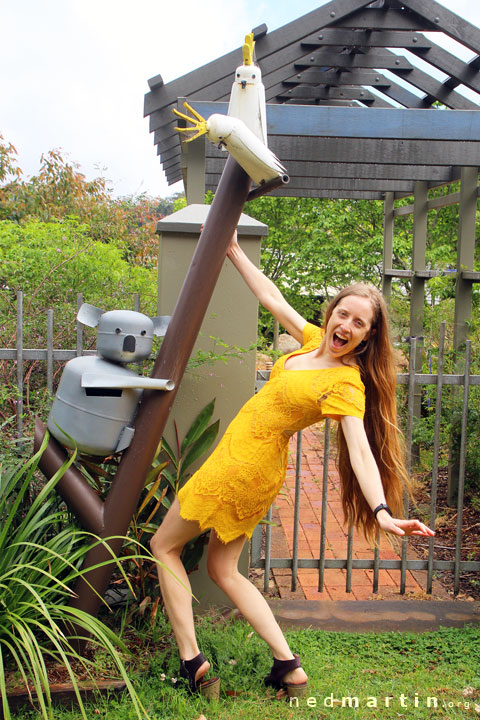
[232,491]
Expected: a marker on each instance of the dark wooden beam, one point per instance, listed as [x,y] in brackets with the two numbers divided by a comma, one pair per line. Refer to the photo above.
[448,22]
[175,177]
[343,76]
[459,71]
[169,154]
[386,86]
[380,151]
[384,19]
[287,191]
[403,96]
[416,42]
[324,102]
[155,82]
[437,174]
[325,92]
[295,31]
[367,38]
[377,151]
[210,78]
[380,19]
[166,143]
[387,60]
[381,60]
[320,183]
[436,89]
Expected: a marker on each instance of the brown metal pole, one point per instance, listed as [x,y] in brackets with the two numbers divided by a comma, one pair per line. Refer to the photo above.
[72,486]
[268,187]
[174,354]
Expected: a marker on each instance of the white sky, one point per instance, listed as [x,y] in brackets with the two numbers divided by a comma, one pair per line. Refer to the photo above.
[73,73]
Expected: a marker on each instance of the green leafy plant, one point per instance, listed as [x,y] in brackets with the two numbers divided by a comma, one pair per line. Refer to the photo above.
[170,468]
[40,560]
[196,442]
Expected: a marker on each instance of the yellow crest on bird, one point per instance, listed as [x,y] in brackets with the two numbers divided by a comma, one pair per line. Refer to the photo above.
[248,49]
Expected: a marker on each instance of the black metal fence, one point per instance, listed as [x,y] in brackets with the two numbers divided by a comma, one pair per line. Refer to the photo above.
[261,546]
[20,354]
[261,540]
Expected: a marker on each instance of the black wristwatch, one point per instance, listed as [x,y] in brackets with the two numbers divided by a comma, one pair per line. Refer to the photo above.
[382,506]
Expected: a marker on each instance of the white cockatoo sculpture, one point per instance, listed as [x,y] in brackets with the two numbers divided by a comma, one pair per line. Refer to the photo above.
[247,98]
[243,131]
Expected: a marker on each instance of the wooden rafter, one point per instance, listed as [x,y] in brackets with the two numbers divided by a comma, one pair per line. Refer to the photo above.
[345,56]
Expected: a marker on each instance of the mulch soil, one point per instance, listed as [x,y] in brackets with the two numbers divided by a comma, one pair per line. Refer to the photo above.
[446,531]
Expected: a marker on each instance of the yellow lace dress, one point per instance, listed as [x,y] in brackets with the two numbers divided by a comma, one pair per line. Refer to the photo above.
[234,488]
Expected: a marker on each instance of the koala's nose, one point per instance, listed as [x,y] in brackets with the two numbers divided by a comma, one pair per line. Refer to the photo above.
[129,344]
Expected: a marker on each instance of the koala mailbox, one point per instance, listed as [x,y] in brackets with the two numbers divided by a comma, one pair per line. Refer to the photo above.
[98,396]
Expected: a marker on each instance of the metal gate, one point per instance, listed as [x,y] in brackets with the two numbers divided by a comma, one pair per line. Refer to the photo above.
[261,540]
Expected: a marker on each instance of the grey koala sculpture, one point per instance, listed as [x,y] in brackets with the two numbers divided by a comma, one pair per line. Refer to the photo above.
[97,396]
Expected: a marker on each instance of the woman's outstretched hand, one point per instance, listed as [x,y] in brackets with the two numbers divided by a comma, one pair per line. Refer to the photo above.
[233,243]
[399,526]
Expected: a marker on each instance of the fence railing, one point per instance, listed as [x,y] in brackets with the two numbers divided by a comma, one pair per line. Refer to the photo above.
[261,558]
[48,355]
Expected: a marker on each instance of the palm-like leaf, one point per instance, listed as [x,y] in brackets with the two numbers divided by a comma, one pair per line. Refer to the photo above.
[201,445]
[38,565]
[198,426]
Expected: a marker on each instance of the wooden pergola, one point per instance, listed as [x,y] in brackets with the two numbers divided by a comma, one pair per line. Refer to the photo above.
[322,72]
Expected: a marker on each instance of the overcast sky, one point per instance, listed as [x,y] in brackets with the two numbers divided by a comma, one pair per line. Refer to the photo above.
[73,73]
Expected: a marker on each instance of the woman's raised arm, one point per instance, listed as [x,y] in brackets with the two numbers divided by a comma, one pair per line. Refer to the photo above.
[266,292]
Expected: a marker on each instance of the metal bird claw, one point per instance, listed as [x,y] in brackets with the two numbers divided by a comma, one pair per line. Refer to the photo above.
[198,122]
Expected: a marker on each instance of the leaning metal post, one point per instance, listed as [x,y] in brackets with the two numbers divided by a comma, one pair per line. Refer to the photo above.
[154,409]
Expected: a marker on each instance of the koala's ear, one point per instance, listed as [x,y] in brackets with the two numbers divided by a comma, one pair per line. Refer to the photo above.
[160,324]
[89,315]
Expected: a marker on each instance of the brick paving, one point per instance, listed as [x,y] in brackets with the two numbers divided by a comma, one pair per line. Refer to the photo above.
[336,537]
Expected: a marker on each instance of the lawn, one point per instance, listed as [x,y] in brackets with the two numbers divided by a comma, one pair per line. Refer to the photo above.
[362,676]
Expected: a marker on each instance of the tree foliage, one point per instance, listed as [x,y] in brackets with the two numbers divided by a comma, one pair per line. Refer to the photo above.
[316,247]
[60,190]
[61,235]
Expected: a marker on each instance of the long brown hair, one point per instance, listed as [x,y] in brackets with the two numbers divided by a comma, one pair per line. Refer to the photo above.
[375,359]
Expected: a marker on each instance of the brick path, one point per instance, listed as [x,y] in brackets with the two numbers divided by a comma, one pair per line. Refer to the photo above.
[336,537]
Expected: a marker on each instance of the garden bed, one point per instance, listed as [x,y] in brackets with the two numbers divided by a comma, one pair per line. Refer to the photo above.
[446,528]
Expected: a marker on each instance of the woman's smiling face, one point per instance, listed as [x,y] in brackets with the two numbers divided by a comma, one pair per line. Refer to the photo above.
[349,324]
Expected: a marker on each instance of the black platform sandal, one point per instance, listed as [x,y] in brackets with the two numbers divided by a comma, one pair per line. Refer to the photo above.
[279,669]
[188,670]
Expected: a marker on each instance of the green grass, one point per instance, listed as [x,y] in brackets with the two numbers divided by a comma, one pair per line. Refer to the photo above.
[368,666]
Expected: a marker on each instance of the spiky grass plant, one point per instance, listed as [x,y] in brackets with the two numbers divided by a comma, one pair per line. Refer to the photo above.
[40,560]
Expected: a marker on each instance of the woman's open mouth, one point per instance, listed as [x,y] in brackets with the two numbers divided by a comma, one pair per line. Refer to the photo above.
[338,340]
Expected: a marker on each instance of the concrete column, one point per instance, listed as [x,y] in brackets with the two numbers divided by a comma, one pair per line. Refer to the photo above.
[192,163]
[232,317]
[193,168]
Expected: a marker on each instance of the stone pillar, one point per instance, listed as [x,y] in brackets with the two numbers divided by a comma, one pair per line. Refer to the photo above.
[232,318]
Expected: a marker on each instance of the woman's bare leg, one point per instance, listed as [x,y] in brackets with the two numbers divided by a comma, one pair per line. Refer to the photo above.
[167,545]
[223,569]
